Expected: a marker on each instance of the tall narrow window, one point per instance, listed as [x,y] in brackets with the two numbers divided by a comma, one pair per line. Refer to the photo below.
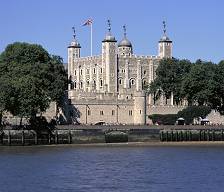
[113,112]
[101,82]
[89,112]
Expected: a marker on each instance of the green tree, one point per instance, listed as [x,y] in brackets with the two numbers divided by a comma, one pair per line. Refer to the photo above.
[169,77]
[34,77]
[199,84]
[218,99]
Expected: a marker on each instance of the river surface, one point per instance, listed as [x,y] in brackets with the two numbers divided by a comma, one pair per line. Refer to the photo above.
[112,168]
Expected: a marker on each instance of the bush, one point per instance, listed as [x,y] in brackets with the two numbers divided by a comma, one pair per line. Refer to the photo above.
[192,112]
[168,119]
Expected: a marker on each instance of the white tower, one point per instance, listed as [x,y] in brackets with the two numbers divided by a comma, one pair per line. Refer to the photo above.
[109,61]
[165,45]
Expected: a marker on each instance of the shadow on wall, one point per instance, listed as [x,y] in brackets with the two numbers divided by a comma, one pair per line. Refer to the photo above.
[74,115]
[69,113]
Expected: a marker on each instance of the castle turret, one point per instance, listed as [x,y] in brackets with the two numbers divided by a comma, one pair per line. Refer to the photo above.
[139,108]
[73,53]
[125,46]
[165,45]
[109,61]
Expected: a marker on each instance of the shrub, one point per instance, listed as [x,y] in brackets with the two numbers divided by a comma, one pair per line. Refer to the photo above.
[192,112]
[168,119]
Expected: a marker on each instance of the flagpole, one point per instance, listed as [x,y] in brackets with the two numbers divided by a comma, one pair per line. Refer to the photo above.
[91,38]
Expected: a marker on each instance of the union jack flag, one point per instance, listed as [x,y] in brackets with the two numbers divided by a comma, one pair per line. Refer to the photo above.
[88,22]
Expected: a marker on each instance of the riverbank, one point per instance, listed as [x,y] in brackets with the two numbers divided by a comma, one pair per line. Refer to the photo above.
[109,134]
[128,144]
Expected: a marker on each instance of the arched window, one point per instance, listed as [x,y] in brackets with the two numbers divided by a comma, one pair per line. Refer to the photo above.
[120,81]
[75,85]
[131,83]
[81,85]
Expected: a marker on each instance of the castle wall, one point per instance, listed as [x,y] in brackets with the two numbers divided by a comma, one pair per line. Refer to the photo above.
[110,113]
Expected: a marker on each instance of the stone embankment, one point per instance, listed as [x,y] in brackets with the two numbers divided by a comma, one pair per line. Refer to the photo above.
[68,134]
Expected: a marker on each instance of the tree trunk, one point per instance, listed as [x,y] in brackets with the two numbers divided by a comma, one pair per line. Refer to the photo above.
[21,121]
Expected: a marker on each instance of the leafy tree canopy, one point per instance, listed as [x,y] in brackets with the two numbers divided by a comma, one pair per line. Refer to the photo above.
[169,76]
[199,84]
[30,79]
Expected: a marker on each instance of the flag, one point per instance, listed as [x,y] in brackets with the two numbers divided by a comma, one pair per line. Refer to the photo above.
[88,22]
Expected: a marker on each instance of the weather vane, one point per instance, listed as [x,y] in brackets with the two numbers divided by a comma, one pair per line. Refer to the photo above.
[109,25]
[74,34]
[164,27]
[124,28]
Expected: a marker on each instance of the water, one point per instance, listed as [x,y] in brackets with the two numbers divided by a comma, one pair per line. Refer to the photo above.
[108,169]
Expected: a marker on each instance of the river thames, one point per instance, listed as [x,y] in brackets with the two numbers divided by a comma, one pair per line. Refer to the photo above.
[112,168]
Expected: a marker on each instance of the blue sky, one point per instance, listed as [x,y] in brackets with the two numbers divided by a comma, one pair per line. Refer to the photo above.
[195,26]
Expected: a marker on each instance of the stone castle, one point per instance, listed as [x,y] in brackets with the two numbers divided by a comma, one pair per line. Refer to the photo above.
[109,88]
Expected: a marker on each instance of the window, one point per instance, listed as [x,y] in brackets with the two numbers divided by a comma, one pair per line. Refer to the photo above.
[101,112]
[72,85]
[101,82]
[130,112]
[94,70]
[113,112]
[140,112]
[101,70]
[75,85]
[89,112]
[75,72]
[120,81]
[144,72]
[81,72]
[87,82]
[81,84]
[144,84]
[132,81]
